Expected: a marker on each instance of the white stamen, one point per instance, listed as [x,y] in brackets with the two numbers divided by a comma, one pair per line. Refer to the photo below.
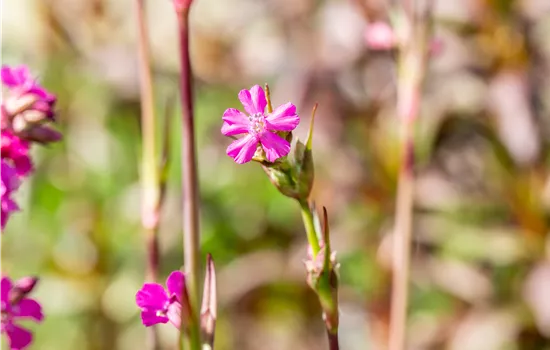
[256,123]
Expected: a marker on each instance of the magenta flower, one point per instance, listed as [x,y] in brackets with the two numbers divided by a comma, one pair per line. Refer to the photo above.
[159,305]
[27,104]
[10,183]
[16,308]
[20,81]
[16,151]
[258,127]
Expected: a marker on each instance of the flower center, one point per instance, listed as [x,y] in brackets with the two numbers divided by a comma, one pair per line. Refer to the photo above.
[256,123]
[162,312]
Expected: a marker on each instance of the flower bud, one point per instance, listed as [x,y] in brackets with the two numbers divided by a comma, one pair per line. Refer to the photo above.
[294,178]
[22,288]
[41,134]
[14,105]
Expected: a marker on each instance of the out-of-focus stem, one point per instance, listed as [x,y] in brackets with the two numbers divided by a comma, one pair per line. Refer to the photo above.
[401,250]
[412,62]
[150,190]
[190,184]
[333,340]
[307,217]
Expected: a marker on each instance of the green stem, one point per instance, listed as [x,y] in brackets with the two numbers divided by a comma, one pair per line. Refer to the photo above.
[412,70]
[150,189]
[190,186]
[307,217]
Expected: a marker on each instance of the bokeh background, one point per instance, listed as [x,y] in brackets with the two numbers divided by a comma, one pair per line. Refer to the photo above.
[480,258]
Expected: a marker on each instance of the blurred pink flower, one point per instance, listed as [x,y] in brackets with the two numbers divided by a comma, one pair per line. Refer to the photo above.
[16,151]
[10,182]
[14,309]
[159,305]
[25,94]
[259,127]
[380,36]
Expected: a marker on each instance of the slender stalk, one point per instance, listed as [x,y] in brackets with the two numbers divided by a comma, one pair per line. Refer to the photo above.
[189,183]
[412,63]
[149,172]
[307,217]
[401,249]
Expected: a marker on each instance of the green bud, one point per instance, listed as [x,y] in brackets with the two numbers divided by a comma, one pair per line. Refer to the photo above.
[293,178]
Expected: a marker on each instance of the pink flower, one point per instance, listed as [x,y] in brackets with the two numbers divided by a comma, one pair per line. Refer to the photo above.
[26,108]
[10,183]
[16,151]
[16,308]
[24,89]
[380,36]
[259,127]
[159,305]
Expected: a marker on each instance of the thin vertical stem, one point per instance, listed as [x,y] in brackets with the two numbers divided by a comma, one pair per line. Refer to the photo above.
[189,182]
[401,247]
[412,63]
[307,217]
[149,172]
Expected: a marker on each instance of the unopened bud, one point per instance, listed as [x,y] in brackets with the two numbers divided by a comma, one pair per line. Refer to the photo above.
[42,134]
[34,116]
[19,124]
[21,288]
[294,178]
[303,168]
[14,105]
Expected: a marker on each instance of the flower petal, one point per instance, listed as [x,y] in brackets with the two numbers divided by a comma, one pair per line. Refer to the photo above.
[235,122]
[235,129]
[19,337]
[151,297]
[243,150]
[28,308]
[175,284]
[234,116]
[174,314]
[253,100]
[5,287]
[274,146]
[7,76]
[283,118]
[150,318]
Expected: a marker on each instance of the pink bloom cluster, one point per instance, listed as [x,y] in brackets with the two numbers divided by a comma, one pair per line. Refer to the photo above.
[26,107]
[25,110]
[16,306]
[159,305]
[260,128]
[25,94]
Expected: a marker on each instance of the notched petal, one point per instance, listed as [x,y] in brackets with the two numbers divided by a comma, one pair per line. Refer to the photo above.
[29,308]
[283,118]
[151,296]
[274,146]
[243,150]
[175,284]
